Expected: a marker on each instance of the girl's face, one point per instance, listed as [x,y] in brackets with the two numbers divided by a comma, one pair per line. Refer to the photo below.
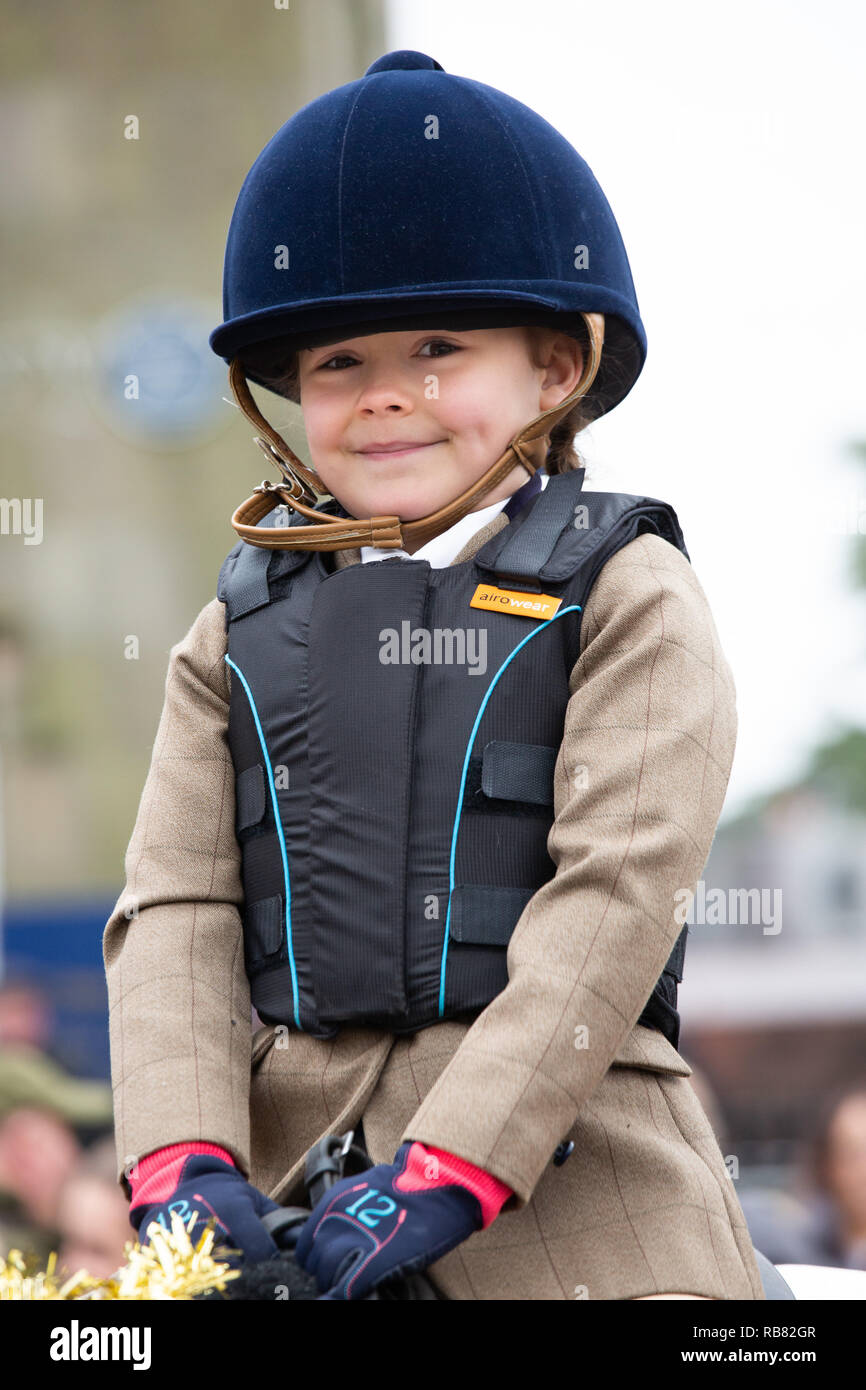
[400,424]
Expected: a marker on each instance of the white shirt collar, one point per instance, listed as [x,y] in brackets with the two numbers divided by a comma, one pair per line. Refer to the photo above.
[440,551]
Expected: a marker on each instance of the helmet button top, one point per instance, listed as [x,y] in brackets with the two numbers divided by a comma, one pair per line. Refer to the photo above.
[403,58]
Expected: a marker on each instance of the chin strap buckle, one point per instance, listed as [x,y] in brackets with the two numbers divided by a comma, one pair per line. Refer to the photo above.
[278,490]
[295,486]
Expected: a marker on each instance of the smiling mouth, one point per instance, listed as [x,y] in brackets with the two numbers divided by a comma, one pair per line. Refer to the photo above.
[400,452]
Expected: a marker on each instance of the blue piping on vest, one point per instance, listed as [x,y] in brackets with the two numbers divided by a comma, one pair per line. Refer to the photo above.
[279,825]
[573,608]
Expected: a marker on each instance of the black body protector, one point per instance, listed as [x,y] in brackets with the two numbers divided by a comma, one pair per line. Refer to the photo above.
[394,746]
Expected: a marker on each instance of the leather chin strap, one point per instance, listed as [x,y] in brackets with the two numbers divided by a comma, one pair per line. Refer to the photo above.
[302,485]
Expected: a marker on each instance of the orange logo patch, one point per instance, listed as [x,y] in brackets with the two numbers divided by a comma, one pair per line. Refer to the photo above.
[513,601]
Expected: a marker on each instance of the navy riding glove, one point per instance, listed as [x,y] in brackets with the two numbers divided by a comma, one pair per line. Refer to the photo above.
[365,1229]
[214,1188]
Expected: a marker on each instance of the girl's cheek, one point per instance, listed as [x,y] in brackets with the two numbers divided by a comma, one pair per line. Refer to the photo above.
[319,426]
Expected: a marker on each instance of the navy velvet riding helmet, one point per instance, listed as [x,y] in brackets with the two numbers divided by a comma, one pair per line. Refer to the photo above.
[413,198]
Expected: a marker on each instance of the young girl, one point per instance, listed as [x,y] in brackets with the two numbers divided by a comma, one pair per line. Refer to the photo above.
[456,904]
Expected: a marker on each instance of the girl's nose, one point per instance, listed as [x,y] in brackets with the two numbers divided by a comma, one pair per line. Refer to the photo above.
[384,397]
[384,389]
[389,405]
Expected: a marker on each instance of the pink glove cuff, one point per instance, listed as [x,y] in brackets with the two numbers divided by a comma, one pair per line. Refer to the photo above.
[158,1173]
[428,1167]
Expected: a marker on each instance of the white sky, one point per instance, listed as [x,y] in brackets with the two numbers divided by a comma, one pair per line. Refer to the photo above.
[730,143]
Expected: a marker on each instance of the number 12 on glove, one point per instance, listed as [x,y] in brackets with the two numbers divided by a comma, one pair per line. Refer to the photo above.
[362,1233]
[371,1216]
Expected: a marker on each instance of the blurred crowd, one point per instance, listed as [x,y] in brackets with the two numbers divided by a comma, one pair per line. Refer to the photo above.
[58,1188]
[59,1191]
[819,1216]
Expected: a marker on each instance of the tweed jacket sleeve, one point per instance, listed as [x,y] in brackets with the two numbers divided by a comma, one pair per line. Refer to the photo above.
[179,1003]
[639,785]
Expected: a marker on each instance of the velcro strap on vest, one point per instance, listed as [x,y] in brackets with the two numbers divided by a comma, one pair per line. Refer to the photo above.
[518,771]
[249,797]
[243,578]
[243,584]
[483,915]
[264,926]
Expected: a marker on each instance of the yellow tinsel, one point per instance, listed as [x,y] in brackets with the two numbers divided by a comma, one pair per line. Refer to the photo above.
[169,1266]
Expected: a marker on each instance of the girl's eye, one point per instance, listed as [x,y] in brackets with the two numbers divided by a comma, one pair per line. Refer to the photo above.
[431,342]
[442,342]
[340,357]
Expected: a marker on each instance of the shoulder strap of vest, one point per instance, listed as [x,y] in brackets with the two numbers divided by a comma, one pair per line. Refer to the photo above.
[567,530]
[243,579]
[247,570]
[529,546]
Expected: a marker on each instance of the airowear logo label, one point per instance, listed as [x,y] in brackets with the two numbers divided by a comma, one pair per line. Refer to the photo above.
[522,605]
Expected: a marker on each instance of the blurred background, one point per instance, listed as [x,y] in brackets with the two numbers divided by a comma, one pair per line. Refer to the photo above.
[729,142]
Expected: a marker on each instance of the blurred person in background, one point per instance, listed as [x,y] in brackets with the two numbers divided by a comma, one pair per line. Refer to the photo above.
[25,1017]
[41,1109]
[821,1219]
[835,1182]
[93,1214]
[29,1076]
[38,1152]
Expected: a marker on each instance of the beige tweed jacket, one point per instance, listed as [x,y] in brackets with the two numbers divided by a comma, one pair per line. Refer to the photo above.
[644,1204]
